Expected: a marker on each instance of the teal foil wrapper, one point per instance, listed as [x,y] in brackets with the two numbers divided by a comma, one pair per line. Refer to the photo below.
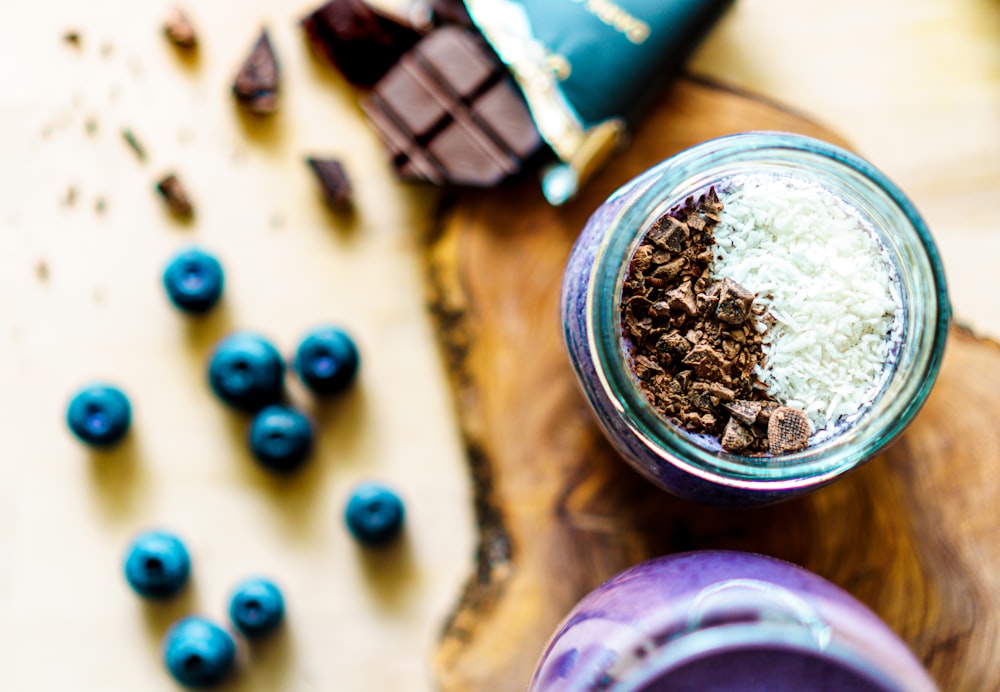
[589,68]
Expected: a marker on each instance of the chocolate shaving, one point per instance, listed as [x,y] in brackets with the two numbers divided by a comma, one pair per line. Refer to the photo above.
[256,84]
[787,430]
[175,196]
[737,437]
[734,302]
[333,182]
[179,30]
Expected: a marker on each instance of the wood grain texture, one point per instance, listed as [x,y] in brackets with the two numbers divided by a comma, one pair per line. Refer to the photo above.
[912,534]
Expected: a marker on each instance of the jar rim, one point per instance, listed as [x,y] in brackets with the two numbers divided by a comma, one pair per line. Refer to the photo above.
[724,640]
[815,465]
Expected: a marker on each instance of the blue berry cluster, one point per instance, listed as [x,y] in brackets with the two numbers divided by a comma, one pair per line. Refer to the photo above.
[197,652]
[247,373]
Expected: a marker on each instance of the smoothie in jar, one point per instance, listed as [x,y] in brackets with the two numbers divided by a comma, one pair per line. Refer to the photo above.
[724,620]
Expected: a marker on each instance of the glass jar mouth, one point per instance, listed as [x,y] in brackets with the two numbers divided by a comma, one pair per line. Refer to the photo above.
[907,240]
[723,640]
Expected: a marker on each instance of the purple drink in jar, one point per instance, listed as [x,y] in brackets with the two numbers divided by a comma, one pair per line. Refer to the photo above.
[724,620]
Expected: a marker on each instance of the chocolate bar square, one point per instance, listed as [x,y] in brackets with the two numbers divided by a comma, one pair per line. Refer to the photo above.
[449,113]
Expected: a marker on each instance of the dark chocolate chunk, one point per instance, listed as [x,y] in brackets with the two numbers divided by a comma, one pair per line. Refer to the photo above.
[787,430]
[360,41]
[745,411]
[256,84]
[449,113]
[734,302]
[175,196]
[179,30]
[736,437]
[333,181]
[682,299]
[708,363]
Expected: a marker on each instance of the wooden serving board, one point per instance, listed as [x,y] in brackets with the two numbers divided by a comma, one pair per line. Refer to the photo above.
[914,534]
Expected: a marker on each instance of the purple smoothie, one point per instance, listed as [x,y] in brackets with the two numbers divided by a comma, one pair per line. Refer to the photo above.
[724,620]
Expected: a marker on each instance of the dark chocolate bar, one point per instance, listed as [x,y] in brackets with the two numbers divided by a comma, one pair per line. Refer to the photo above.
[449,113]
[360,42]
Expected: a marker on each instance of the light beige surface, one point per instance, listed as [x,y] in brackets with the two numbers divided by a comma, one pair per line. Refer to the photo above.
[68,618]
[915,84]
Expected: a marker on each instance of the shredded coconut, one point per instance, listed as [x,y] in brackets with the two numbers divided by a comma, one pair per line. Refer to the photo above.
[828,285]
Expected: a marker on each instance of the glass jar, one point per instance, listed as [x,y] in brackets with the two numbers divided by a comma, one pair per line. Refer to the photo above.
[660,450]
[724,620]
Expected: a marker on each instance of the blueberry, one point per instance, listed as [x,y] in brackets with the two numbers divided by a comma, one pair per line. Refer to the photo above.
[194,280]
[157,564]
[281,438]
[198,653]
[246,371]
[327,360]
[374,514]
[99,414]
[256,607]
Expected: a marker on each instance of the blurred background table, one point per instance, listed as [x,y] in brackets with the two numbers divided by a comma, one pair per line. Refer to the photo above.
[914,85]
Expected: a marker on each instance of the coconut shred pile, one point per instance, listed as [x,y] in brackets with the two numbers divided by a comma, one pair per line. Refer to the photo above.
[830,290]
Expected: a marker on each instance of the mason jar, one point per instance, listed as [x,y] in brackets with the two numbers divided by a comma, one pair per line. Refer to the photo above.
[724,620]
[659,449]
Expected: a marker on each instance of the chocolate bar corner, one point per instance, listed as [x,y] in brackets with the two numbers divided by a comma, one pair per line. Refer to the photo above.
[533,79]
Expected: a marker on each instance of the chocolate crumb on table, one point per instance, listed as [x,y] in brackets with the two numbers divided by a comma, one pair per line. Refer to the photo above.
[134,143]
[361,42]
[175,196]
[694,340]
[179,30]
[256,84]
[73,38]
[333,182]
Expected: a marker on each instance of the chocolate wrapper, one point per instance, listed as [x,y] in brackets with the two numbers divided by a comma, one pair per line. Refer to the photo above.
[589,68]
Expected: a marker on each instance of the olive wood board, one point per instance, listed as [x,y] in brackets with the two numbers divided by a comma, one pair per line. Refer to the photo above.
[913,534]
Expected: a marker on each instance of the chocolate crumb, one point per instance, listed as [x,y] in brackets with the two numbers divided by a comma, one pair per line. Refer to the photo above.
[179,30]
[333,182]
[73,38]
[787,430]
[745,411]
[736,437]
[734,302]
[69,198]
[134,144]
[175,196]
[256,84]
[42,270]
